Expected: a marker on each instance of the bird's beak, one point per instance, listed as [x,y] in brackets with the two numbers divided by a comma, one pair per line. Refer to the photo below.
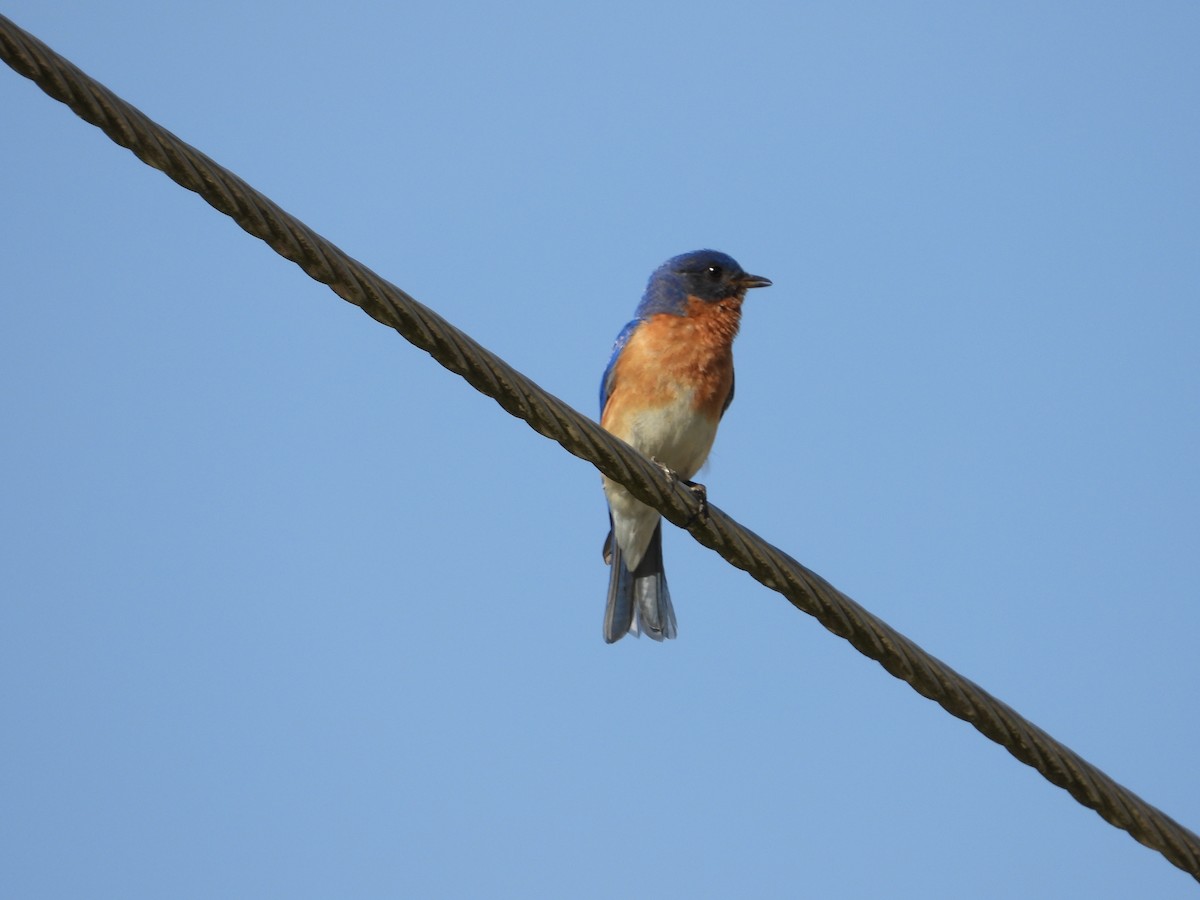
[753,281]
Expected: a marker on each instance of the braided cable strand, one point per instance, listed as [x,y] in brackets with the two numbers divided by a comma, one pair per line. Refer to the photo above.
[582,437]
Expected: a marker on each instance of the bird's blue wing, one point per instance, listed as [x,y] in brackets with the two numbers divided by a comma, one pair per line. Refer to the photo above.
[606,381]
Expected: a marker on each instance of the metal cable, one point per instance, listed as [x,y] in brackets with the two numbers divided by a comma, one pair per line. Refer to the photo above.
[582,437]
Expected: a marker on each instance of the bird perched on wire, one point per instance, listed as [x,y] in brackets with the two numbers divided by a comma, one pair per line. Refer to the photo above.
[666,387]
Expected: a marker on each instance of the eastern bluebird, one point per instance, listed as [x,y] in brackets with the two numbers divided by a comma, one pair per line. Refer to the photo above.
[666,387]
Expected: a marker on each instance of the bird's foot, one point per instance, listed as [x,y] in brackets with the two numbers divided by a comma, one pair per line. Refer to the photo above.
[699,491]
[667,471]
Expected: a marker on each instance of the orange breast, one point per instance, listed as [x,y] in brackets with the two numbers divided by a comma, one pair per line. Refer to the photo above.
[693,352]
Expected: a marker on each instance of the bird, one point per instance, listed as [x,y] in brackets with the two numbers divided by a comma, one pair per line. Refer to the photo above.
[666,387]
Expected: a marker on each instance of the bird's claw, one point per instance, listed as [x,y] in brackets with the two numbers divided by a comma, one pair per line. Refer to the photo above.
[667,471]
[699,491]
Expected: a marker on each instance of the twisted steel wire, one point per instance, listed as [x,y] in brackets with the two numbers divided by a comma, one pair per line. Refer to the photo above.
[582,437]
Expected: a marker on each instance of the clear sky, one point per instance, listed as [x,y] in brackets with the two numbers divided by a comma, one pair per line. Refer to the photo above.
[287,610]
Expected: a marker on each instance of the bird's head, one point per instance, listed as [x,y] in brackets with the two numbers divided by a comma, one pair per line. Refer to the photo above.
[708,275]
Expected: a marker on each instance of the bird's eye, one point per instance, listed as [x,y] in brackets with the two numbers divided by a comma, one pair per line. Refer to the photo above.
[714,272]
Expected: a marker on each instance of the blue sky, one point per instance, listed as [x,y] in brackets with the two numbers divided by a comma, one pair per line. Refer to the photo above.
[289,610]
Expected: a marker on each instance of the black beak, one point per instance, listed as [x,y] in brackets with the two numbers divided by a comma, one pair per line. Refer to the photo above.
[753,281]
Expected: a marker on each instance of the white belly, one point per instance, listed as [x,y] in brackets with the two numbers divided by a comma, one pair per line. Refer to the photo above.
[674,435]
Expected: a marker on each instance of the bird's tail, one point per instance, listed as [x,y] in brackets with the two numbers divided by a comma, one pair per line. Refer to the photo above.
[638,601]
